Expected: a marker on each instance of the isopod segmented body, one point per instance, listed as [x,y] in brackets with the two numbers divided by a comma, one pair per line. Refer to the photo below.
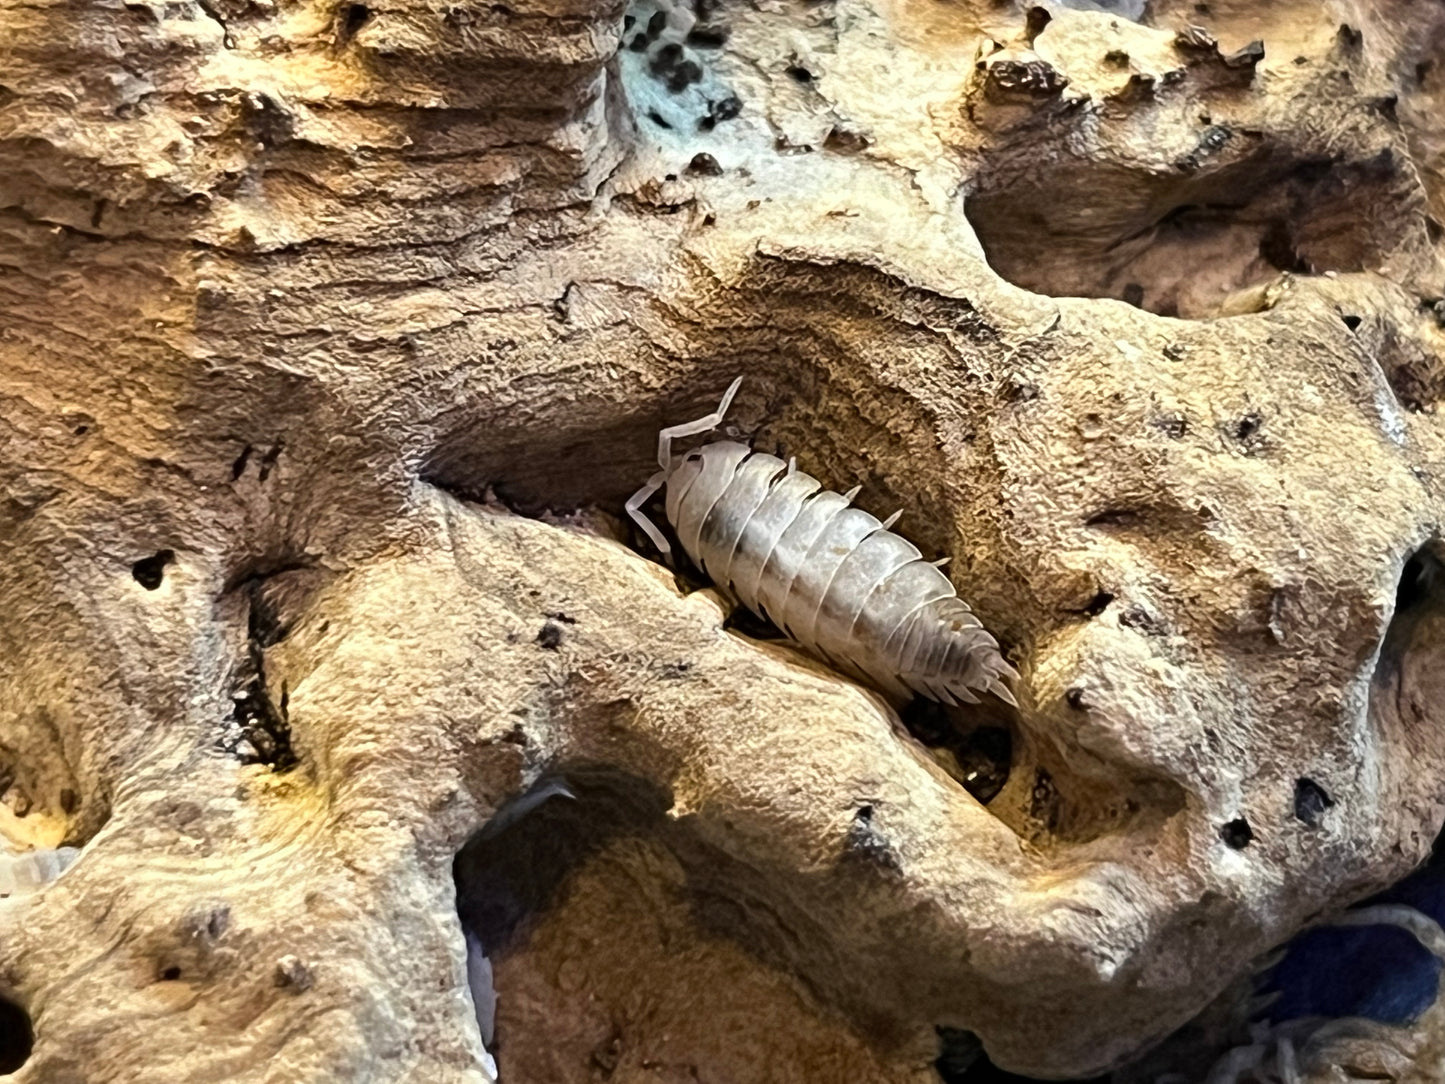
[831,576]
[31,871]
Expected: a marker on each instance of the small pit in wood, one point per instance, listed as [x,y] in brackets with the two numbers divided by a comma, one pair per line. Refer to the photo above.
[150,571]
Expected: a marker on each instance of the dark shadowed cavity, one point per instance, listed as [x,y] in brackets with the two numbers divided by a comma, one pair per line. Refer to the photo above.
[961,1060]
[978,756]
[16,1036]
[1409,675]
[1195,241]
[150,571]
[518,867]
[512,869]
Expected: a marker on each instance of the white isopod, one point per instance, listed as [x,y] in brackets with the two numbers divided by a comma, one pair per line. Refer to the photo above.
[22,874]
[832,577]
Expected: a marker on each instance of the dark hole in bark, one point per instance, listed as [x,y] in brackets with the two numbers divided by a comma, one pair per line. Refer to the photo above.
[1277,248]
[1310,801]
[238,466]
[170,974]
[865,842]
[958,1052]
[16,1036]
[1098,604]
[1034,23]
[1237,834]
[961,1060]
[513,867]
[979,757]
[1247,426]
[706,37]
[353,18]
[1114,517]
[268,460]
[1193,235]
[149,572]
[1418,580]
[1351,321]
[799,74]
[262,724]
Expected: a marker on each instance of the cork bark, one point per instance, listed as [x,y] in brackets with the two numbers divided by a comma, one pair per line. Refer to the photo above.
[332,340]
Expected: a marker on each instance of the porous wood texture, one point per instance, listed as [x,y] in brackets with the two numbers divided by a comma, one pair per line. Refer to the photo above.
[333,337]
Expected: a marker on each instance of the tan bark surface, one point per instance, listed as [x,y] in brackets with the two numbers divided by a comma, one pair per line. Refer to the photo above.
[332,338]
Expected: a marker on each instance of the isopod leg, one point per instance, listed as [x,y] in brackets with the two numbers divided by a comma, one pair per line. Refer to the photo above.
[634,509]
[1288,1063]
[689,429]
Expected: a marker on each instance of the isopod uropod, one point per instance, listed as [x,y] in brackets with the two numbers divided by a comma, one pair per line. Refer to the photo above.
[832,577]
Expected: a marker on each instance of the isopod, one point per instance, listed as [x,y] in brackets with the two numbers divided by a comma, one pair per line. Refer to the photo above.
[31,871]
[835,579]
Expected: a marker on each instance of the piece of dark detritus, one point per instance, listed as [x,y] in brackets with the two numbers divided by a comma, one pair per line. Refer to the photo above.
[707,37]
[704,165]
